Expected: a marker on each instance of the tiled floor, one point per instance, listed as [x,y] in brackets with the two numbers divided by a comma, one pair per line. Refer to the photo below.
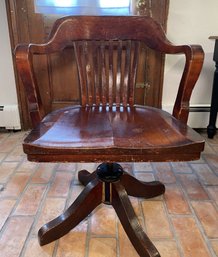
[182,223]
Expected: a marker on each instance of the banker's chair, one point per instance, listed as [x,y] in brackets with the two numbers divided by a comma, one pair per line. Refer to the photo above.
[107,126]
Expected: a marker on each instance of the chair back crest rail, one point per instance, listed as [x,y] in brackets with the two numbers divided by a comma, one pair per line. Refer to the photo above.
[107,50]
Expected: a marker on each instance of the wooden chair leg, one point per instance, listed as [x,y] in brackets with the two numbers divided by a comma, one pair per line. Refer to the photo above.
[128,219]
[85,177]
[137,188]
[117,184]
[87,201]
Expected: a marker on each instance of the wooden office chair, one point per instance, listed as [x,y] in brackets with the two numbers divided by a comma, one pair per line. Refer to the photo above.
[107,126]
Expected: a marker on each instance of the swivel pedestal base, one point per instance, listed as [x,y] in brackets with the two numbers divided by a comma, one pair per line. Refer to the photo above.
[109,184]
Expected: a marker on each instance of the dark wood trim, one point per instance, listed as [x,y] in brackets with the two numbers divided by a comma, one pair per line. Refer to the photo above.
[14,39]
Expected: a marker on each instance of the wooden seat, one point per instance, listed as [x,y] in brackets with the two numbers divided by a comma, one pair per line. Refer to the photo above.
[111,134]
[107,126]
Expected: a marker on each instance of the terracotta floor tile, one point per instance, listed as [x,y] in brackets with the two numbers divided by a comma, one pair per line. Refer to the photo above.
[215,246]
[77,189]
[6,206]
[30,200]
[142,166]
[52,208]
[71,167]
[16,155]
[208,217]
[102,247]
[7,145]
[175,200]
[15,186]
[52,186]
[27,166]
[18,136]
[103,221]
[73,243]
[164,172]
[212,160]
[125,246]
[89,166]
[181,167]
[14,236]
[190,238]
[128,167]
[2,156]
[43,173]
[145,177]
[156,220]
[205,174]
[3,136]
[61,184]
[193,188]
[213,192]
[7,168]
[167,248]
[208,149]
[215,148]
[33,249]
[136,206]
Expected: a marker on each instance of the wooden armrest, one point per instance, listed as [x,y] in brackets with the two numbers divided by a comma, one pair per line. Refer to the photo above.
[25,69]
[72,29]
[194,62]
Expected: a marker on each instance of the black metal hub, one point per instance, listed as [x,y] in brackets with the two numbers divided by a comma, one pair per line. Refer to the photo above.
[109,172]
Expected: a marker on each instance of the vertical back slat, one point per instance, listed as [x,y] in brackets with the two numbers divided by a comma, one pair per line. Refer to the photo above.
[78,48]
[97,72]
[103,70]
[126,73]
[107,71]
[118,77]
[111,76]
[133,71]
[88,65]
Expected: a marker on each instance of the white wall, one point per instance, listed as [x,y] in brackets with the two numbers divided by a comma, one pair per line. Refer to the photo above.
[7,80]
[192,22]
[9,115]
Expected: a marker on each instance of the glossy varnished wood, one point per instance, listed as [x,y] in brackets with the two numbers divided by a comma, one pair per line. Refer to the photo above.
[85,203]
[95,194]
[137,188]
[133,186]
[109,134]
[66,31]
[107,126]
[130,223]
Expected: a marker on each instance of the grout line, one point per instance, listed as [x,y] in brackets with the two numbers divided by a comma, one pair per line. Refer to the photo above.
[39,211]
[117,235]
[89,235]
[197,222]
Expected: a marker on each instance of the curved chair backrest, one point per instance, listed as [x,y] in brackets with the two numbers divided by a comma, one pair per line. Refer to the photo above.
[107,51]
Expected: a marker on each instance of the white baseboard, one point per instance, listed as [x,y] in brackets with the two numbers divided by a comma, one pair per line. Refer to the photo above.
[9,117]
[198,115]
